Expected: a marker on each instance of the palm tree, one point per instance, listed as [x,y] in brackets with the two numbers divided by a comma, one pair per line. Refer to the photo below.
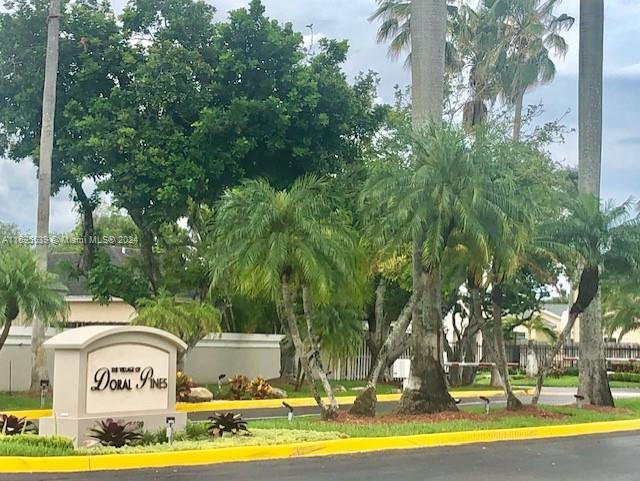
[532,32]
[190,321]
[621,304]
[441,199]
[601,238]
[38,367]
[593,383]
[26,291]
[296,247]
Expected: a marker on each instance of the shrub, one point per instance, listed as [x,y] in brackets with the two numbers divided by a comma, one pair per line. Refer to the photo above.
[570,371]
[226,423]
[116,433]
[633,367]
[240,387]
[11,425]
[625,377]
[260,389]
[184,384]
[556,372]
[31,445]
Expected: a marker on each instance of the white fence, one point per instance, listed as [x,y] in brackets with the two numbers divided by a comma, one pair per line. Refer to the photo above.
[228,353]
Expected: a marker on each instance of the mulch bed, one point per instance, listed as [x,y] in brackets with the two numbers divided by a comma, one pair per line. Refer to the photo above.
[395,418]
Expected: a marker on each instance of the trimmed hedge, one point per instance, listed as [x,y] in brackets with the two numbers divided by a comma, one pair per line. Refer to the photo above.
[625,377]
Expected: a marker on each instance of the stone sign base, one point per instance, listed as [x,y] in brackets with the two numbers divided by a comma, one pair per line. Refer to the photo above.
[77,428]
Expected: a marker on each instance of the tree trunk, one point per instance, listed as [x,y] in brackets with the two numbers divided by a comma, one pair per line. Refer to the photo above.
[427,390]
[513,403]
[316,356]
[304,356]
[10,314]
[475,325]
[593,381]
[86,208]
[587,292]
[365,403]
[38,360]
[288,364]
[147,241]
[517,118]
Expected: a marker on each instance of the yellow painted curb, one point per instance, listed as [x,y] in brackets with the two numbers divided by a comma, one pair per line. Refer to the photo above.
[311,449]
[310,402]
[268,403]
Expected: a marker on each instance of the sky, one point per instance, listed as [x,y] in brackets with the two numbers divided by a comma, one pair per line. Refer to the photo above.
[348,19]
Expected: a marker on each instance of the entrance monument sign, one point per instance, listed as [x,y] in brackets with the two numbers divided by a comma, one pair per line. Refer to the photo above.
[119,372]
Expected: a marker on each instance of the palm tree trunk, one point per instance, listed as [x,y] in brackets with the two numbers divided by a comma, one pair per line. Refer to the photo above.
[513,403]
[11,311]
[317,367]
[365,403]
[38,361]
[427,390]
[517,119]
[428,38]
[303,355]
[587,292]
[593,383]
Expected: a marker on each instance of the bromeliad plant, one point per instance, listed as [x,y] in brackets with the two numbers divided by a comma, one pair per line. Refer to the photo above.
[231,423]
[116,433]
[11,425]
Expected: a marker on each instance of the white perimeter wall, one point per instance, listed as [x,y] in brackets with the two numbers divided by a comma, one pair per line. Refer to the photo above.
[230,354]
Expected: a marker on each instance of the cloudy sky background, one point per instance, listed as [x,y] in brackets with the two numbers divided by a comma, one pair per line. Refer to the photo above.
[347,19]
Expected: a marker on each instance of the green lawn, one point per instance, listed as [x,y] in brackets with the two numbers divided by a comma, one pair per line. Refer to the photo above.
[571,415]
[15,401]
[563,381]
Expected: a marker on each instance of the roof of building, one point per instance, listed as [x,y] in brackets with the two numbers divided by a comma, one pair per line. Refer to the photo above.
[63,264]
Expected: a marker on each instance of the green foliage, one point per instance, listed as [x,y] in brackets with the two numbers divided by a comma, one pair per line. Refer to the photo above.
[26,290]
[230,423]
[107,280]
[625,377]
[116,433]
[30,445]
[190,321]
[264,234]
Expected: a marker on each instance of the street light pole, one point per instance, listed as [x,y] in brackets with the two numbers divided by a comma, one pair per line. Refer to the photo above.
[38,365]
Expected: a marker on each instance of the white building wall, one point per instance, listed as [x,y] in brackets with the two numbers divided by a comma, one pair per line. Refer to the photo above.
[228,353]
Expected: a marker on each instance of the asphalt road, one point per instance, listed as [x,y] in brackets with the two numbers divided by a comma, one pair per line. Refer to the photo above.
[549,396]
[595,458]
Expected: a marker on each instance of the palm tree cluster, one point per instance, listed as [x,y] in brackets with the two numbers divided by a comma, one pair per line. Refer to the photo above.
[500,48]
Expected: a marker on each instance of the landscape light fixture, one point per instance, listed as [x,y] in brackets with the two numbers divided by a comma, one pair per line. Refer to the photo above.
[44,388]
[220,378]
[487,404]
[171,421]
[290,408]
[579,400]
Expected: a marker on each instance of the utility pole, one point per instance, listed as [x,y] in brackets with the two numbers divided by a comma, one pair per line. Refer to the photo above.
[38,361]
